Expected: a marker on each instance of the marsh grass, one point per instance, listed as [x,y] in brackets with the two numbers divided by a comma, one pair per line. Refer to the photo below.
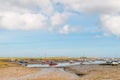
[4,64]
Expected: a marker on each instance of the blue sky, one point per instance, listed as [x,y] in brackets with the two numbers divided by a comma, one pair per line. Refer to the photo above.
[39,28]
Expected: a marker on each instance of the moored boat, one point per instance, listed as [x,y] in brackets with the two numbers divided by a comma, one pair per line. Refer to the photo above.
[52,63]
[114,63]
[72,61]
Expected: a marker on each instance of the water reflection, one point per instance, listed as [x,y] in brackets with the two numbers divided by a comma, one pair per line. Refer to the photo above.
[64,64]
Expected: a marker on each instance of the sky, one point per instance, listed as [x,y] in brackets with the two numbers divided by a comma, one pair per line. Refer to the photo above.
[73,28]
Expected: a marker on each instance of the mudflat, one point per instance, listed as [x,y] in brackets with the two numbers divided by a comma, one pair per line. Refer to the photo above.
[24,73]
[78,72]
[96,72]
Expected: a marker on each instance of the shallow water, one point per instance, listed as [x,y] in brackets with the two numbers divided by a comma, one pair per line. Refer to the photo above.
[63,64]
[46,65]
[95,62]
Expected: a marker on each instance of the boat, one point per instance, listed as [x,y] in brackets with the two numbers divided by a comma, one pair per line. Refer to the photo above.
[24,63]
[52,63]
[72,61]
[114,63]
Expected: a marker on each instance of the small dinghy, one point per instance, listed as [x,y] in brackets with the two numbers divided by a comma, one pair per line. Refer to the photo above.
[52,63]
[114,63]
[71,62]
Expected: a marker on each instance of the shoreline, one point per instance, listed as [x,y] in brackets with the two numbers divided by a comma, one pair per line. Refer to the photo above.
[76,72]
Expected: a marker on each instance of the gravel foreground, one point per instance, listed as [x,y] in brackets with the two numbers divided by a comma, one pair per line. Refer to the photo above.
[21,73]
[80,72]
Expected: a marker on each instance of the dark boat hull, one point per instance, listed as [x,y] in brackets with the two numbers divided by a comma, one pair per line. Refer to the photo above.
[52,64]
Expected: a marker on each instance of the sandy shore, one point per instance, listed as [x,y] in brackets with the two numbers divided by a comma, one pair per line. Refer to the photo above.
[80,72]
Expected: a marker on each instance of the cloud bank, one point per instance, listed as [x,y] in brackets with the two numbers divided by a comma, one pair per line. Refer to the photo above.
[111,24]
[38,14]
[26,21]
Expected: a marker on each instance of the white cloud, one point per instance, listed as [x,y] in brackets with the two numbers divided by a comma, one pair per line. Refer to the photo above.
[46,6]
[108,8]
[92,6]
[111,24]
[17,5]
[59,18]
[35,14]
[67,29]
[24,14]
[26,21]
[27,6]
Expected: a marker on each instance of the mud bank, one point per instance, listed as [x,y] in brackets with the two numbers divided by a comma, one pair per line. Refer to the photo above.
[95,72]
[77,72]
[23,73]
